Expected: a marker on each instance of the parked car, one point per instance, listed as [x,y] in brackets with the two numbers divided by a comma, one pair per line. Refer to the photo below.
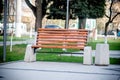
[53,26]
[111,32]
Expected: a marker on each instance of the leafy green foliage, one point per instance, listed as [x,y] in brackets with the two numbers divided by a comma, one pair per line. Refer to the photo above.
[78,8]
[89,8]
[57,9]
[44,7]
[1,8]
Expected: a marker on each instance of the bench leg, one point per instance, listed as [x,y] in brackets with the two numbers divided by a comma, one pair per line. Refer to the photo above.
[34,50]
[30,55]
[87,55]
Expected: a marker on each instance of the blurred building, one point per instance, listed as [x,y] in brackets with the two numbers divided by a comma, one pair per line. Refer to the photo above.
[19,14]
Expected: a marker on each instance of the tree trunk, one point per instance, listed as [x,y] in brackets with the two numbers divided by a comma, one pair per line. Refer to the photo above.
[82,23]
[106,27]
[38,22]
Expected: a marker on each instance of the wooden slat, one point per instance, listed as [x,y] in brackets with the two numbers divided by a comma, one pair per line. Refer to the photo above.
[64,34]
[61,38]
[55,46]
[62,43]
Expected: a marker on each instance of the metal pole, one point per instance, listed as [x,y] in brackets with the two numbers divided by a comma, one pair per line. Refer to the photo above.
[5,27]
[67,15]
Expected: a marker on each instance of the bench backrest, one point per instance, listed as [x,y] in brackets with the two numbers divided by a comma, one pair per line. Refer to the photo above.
[61,38]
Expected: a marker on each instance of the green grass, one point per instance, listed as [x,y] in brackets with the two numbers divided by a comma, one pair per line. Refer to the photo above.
[75,59]
[57,50]
[19,52]
[58,58]
[115,61]
[114,44]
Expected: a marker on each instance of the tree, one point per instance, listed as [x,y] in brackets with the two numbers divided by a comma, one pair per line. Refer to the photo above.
[78,8]
[88,9]
[39,11]
[1,8]
[112,15]
[57,9]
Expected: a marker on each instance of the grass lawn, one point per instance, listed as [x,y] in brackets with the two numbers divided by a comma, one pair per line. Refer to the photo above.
[58,58]
[114,44]
[19,51]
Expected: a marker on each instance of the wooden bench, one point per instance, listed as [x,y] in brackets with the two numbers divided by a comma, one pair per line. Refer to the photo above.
[61,38]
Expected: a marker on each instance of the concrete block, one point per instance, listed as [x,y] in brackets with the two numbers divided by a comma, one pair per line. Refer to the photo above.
[87,56]
[30,56]
[102,54]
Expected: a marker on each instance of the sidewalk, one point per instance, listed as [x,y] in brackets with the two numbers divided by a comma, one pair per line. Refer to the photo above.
[57,71]
[30,41]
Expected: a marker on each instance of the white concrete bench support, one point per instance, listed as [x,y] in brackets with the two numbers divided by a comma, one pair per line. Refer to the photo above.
[88,56]
[102,54]
[30,56]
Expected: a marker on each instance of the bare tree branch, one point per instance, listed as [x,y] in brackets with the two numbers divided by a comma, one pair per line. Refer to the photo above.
[107,16]
[115,16]
[33,8]
[111,9]
[110,18]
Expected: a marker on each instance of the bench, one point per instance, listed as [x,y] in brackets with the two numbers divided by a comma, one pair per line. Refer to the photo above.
[61,38]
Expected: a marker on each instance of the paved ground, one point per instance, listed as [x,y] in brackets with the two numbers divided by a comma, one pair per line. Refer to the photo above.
[30,41]
[57,71]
